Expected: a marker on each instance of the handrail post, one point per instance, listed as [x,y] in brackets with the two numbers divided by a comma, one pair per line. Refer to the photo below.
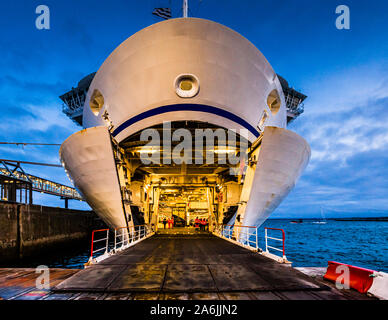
[107,241]
[283,240]
[257,241]
[114,248]
[91,249]
[122,238]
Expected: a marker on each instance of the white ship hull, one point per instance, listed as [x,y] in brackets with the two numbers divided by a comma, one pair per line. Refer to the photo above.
[231,86]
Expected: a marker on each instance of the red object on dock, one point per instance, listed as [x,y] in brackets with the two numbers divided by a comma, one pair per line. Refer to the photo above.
[357,278]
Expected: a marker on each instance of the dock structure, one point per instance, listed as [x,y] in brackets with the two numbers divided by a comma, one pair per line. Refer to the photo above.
[17,186]
[176,266]
[34,231]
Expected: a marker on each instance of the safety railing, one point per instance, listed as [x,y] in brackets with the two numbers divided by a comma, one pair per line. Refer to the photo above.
[282,240]
[124,237]
[121,238]
[243,235]
[96,242]
[247,236]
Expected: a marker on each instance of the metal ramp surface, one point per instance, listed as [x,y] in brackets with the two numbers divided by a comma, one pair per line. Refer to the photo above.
[202,263]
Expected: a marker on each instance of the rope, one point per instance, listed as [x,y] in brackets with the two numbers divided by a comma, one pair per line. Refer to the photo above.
[31,143]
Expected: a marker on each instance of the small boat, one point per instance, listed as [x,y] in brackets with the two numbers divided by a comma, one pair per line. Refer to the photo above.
[297,221]
[323,220]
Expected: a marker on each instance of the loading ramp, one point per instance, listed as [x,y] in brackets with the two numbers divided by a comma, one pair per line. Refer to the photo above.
[199,264]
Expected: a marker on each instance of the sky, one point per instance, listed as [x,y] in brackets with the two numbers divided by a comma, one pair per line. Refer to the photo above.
[343,73]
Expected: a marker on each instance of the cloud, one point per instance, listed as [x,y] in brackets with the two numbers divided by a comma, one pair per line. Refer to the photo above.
[45,117]
[345,124]
[7,150]
[341,136]
[346,117]
[346,89]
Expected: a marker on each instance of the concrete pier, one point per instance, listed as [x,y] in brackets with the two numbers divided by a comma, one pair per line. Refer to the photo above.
[29,230]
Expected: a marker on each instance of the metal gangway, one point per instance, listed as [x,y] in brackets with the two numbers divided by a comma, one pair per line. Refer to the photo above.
[107,242]
[11,172]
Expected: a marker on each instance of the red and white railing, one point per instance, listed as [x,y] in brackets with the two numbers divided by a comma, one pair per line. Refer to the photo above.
[282,240]
[95,246]
[247,236]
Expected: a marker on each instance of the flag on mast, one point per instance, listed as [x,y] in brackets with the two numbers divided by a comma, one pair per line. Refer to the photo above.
[164,13]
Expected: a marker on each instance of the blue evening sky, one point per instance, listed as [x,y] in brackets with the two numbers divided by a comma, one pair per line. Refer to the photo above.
[343,72]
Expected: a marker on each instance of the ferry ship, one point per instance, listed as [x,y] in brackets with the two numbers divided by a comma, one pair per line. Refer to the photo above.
[182,81]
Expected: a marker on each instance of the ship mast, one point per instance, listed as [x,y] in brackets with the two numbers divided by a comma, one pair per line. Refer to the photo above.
[185,8]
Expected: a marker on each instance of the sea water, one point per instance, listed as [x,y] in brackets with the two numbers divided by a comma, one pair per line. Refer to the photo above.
[308,244]
[311,244]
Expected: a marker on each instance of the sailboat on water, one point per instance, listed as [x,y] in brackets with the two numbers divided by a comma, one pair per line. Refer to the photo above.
[322,220]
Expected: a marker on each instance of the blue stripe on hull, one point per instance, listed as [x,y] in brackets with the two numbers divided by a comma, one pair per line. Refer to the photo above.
[186,107]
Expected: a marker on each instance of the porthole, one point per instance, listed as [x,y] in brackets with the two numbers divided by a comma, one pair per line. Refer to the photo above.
[96,102]
[273,102]
[186,85]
